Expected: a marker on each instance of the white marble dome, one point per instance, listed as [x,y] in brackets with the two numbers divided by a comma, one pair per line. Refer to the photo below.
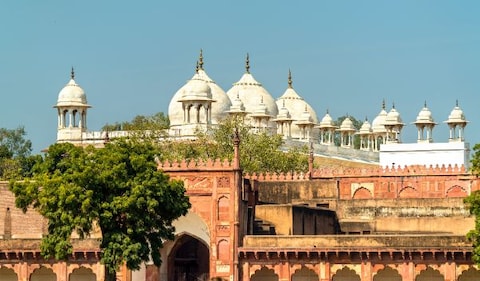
[327,121]
[220,105]
[424,116]
[252,93]
[347,125]
[393,118]
[72,94]
[298,108]
[366,128]
[456,116]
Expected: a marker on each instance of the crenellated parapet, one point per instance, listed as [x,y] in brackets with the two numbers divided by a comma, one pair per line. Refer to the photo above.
[196,164]
[415,170]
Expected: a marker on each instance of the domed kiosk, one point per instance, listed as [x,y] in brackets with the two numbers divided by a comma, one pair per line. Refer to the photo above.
[72,112]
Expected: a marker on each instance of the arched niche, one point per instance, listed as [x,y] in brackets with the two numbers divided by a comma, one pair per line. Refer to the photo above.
[304,274]
[408,192]
[362,193]
[82,274]
[429,274]
[7,274]
[387,274]
[264,274]
[43,274]
[471,274]
[346,274]
[189,260]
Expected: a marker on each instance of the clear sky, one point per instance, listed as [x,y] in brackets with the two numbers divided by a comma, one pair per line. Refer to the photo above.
[130,57]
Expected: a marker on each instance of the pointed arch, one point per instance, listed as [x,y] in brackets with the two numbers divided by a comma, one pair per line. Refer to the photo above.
[43,274]
[8,274]
[264,274]
[362,193]
[223,208]
[189,259]
[304,274]
[82,274]
[387,274]
[471,274]
[346,274]
[408,192]
[456,191]
[430,274]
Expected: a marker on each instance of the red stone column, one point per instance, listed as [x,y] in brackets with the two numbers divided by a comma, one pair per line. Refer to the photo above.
[450,271]
[366,271]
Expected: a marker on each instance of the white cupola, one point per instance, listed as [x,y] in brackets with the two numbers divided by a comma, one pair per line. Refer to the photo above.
[327,130]
[425,125]
[72,112]
[456,123]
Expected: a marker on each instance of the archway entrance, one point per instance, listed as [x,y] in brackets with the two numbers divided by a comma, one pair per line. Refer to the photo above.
[188,260]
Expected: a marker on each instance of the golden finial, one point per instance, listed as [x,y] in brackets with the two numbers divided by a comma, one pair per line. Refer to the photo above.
[289,78]
[247,64]
[72,73]
[200,60]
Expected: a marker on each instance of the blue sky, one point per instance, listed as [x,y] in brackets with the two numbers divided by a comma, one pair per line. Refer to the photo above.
[345,56]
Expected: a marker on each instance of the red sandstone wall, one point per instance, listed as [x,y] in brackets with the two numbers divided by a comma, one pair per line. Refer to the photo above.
[23,225]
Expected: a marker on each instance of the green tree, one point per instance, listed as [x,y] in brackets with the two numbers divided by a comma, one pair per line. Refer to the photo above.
[473,204]
[156,123]
[117,188]
[15,153]
[259,153]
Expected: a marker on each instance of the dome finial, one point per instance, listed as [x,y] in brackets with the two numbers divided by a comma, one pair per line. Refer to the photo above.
[72,74]
[197,67]
[383,104]
[247,64]
[289,78]
[393,105]
[425,104]
[456,103]
[200,60]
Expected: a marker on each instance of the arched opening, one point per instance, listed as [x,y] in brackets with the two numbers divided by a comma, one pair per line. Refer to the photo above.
[387,274]
[82,274]
[304,274]
[7,274]
[346,274]
[362,193]
[264,274]
[188,260]
[43,274]
[430,274]
[471,274]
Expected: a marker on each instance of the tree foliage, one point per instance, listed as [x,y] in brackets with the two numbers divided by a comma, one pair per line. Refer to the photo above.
[259,152]
[157,122]
[15,150]
[473,204]
[117,188]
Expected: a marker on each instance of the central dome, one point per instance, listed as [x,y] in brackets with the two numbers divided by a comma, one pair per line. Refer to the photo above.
[252,93]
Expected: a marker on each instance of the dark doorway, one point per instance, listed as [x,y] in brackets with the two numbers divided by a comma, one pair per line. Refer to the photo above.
[188,260]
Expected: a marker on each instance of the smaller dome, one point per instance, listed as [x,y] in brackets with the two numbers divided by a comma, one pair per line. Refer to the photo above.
[366,128]
[261,109]
[347,125]
[283,113]
[196,90]
[393,118]
[424,116]
[72,94]
[456,116]
[237,106]
[327,121]
[305,117]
